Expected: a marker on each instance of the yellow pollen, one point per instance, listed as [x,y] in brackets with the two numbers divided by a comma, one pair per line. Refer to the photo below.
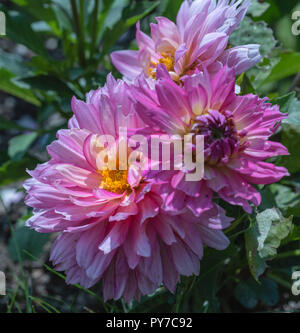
[114,180]
[166,59]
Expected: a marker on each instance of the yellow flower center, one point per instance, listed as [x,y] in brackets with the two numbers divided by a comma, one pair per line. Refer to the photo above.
[114,180]
[167,60]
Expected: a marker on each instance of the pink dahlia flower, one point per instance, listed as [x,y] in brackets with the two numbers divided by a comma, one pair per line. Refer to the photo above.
[110,222]
[236,132]
[199,37]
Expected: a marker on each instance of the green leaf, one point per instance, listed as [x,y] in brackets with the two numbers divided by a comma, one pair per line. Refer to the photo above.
[14,64]
[28,240]
[38,9]
[285,196]
[48,67]
[19,145]
[13,171]
[264,237]
[285,102]
[245,84]
[19,30]
[256,8]
[114,14]
[273,228]
[13,87]
[246,295]
[262,70]
[290,138]
[62,19]
[268,292]
[267,198]
[142,9]
[130,17]
[6,124]
[293,109]
[250,32]
[290,131]
[294,234]
[249,293]
[288,65]
[172,8]
[257,264]
[50,83]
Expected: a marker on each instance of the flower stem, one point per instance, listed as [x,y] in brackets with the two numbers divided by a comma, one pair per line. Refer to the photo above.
[235,223]
[94,28]
[79,29]
[294,253]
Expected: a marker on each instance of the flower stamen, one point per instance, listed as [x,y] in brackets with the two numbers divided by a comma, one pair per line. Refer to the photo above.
[114,180]
[166,59]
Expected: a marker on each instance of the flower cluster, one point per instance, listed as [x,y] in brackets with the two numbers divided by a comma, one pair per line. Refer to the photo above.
[132,227]
[199,38]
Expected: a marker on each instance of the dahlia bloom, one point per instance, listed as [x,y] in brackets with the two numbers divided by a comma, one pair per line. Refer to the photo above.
[110,222]
[236,132]
[199,37]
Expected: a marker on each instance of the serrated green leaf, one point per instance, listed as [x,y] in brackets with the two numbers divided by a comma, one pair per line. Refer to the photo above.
[273,228]
[250,32]
[264,237]
[256,8]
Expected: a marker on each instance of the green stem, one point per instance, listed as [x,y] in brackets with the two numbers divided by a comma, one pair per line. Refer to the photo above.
[235,223]
[94,29]
[279,280]
[75,285]
[82,26]
[79,29]
[13,300]
[179,302]
[294,253]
